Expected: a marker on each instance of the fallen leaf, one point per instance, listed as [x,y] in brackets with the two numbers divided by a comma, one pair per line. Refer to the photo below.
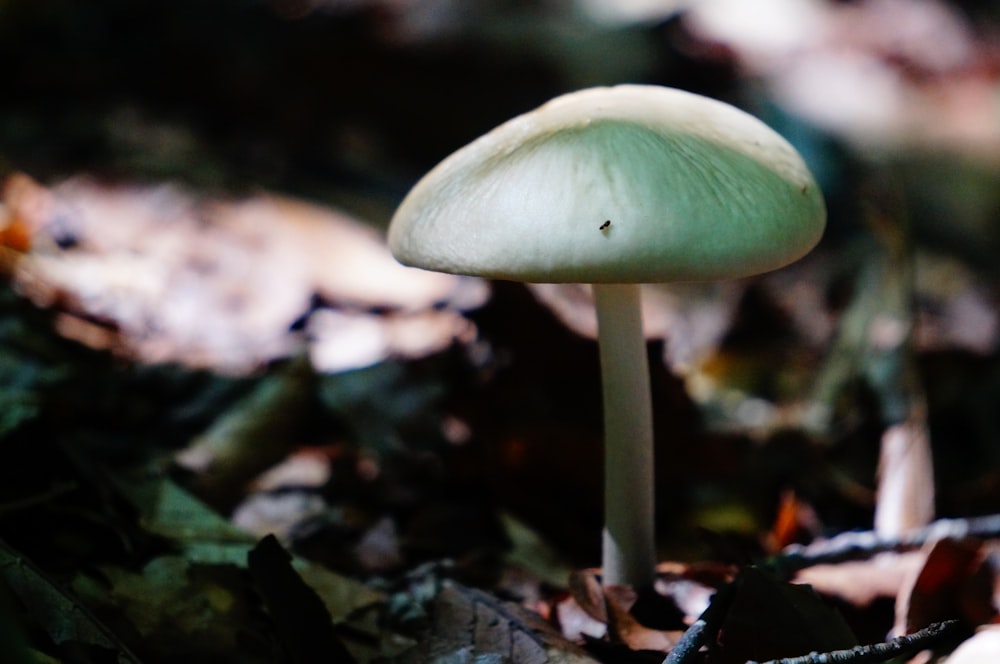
[301,620]
[862,582]
[586,590]
[165,275]
[576,624]
[170,511]
[955,581]
[690,587]
[179,608]
[905,497]
[63,616]
[770,619]
[252,436]
[983,647]
[902,94]
[691,318]
[626,629]
[468,625]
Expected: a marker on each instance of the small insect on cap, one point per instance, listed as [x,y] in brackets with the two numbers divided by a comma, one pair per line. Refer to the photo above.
[629,184]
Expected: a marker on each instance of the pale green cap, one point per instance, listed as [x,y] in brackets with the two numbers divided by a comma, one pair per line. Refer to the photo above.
[694,189]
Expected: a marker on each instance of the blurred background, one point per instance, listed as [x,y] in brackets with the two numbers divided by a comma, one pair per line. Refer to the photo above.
[196,282]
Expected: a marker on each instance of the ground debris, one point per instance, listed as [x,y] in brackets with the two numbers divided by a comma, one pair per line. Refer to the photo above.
[468,625]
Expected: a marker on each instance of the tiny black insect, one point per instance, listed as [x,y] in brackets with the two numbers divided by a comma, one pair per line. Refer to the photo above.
[605,226]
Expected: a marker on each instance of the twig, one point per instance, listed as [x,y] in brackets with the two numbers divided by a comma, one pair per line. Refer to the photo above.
[877,652]
[862,544]
[707,623]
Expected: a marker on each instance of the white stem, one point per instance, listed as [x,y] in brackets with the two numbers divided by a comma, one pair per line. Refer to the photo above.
[628,547]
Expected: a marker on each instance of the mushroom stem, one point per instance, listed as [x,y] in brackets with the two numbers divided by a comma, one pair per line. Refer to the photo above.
[628,551]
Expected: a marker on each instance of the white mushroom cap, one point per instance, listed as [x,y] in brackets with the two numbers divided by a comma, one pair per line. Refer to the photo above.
[693,188]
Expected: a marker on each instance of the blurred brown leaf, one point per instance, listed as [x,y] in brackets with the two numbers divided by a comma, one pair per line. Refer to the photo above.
[691,317]
[954,581]
[625,628]
[862,582]
[178,277]
[905,498]
[889,75]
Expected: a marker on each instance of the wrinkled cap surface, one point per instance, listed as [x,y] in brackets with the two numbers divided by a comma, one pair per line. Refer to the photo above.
[628,184]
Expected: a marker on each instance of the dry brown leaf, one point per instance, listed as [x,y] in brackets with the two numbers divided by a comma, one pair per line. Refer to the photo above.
[346,262]
[625,629]
[905,497]
[576,624]
[861,582]
[883,74]
[691,318]
[953,581]
[469,625]
[586,589]
[690,587]
[167,276]
[584,614]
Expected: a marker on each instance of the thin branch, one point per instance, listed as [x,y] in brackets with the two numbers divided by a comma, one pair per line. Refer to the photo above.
[878,652]
[708,623]
[863,544]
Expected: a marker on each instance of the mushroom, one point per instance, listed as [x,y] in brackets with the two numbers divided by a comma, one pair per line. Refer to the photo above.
[616,187]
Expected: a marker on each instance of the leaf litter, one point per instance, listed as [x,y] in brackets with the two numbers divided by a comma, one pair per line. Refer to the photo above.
[163,275]
[393,433]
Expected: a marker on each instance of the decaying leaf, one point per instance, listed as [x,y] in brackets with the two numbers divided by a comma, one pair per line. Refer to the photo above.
[167,276]
[862,582]
[172,512]
[810,54]
[576,624]
[691,317]
[252,436]
[471,626]
[626,629]
[66,620]
[691,586]
[618,614]
[586,590]
[955,581]
[173,594]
